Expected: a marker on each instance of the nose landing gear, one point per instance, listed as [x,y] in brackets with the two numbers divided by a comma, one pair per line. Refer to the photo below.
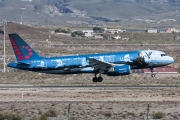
[153,75]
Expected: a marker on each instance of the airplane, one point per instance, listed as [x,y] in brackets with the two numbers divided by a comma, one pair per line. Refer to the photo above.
[111,64]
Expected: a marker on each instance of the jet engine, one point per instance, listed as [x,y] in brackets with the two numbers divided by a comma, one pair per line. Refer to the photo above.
[119,70]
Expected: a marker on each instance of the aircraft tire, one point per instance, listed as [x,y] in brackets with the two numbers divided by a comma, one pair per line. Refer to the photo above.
[95,79]
[100,79]
[153,75]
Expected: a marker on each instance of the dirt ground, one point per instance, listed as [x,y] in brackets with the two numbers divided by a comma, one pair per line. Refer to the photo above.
[90,103]
[93,103]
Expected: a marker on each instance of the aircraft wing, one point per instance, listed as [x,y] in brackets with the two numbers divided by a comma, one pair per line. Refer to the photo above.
[97,64]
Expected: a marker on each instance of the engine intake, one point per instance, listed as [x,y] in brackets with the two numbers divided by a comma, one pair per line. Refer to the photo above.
[119,70]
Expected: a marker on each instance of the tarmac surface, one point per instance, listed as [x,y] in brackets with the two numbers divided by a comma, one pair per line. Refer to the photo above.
[88,93]
[87,86]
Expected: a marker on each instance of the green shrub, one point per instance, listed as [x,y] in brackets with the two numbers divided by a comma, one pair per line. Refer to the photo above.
[10,116]
[98,30]
[131,114]
[107,114]
[124,116]
[158,115]
[52,113]
[34,118]
[43,117]
[77,33]
[73,118]
[60,30]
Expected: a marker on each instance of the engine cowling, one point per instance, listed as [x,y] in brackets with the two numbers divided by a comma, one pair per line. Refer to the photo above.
[119,70]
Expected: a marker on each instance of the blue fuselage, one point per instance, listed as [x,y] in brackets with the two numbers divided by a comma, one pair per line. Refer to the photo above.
[80,63]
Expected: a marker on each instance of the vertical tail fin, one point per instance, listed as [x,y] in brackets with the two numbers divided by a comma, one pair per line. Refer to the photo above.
[21,49]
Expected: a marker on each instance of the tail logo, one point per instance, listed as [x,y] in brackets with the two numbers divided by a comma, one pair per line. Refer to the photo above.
[19,53]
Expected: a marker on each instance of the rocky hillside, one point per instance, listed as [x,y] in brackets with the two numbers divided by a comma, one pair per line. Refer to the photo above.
[56,12]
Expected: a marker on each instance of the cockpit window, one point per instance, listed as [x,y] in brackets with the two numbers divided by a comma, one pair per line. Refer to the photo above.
[163,55]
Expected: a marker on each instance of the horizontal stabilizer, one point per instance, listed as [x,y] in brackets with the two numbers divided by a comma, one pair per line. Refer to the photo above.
[23,63]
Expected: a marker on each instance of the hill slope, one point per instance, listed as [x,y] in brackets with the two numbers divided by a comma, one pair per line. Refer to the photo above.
[48,12]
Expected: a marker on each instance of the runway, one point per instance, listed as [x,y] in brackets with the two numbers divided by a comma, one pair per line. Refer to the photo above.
[115,44]
[83,86]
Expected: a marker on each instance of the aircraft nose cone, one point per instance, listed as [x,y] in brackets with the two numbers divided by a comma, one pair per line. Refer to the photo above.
[171,60]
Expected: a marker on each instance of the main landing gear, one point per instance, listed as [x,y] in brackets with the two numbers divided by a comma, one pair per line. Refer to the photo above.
[97,79]
[153,75]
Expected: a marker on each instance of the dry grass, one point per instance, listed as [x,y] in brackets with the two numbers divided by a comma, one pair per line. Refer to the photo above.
[39,35]
[86,79]
[93,104]
[105,104]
